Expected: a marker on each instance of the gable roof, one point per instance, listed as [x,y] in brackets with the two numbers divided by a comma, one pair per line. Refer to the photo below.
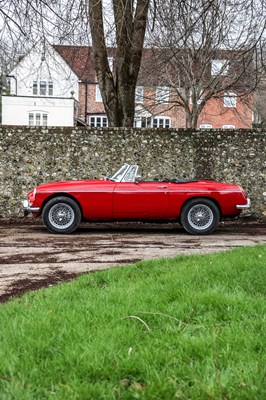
[79,59]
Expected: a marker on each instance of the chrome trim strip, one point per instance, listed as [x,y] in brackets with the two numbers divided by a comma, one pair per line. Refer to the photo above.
[114,190]
[33,209]
[244,206]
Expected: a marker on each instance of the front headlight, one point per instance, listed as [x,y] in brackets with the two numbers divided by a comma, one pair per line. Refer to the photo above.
[32,196]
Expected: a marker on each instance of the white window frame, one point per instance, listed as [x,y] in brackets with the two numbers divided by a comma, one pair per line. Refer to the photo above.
[38,118]
[35,88]
[98,121]
[228,127]
[219,67]
[205,126]
[42,88]
[162,94]
[98,95]
[155,122]
[161,122]
[143,122]
[230,100]
[139,94]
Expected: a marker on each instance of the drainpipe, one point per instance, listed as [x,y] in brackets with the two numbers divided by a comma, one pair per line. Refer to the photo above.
[86,101]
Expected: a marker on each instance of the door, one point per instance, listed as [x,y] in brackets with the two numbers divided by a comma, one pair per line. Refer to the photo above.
[141,200]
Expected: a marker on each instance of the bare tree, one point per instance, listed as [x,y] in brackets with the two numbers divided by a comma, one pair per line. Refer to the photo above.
[206,48]
[118,85]
[69,22]
[186,36]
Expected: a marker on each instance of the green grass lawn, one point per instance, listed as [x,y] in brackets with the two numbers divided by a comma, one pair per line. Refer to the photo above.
[186,328]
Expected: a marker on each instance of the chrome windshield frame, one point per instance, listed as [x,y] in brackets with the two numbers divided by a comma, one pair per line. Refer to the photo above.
[127,173]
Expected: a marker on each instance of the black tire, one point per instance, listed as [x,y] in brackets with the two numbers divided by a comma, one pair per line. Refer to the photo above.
[61,215]
[200,216]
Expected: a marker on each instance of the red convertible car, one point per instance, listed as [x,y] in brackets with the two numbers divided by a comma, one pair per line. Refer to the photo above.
[197,204]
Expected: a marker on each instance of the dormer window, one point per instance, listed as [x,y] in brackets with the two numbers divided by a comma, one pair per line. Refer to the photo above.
[98,95]
[139,94]
[162,94]
[219,67]
[230,100]
[42,88]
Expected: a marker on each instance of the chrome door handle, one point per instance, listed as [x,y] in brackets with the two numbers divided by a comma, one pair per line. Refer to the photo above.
[162,187]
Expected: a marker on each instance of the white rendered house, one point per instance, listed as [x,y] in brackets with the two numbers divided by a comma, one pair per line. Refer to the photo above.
[44,90]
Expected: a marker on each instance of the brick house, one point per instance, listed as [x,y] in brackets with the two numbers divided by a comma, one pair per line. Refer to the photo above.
[155,102]
[155,105]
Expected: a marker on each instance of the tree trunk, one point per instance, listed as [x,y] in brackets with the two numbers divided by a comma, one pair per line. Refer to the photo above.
[118,86]
[192,116]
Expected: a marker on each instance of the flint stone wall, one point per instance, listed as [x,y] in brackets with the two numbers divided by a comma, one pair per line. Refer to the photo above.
[31,156]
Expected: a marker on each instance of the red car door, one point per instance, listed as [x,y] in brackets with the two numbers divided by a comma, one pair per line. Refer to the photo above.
[141,200]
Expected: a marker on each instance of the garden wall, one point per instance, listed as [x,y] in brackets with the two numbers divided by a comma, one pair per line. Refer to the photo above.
[30,156]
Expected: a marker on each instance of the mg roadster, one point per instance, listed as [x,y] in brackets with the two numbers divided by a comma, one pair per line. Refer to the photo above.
[198,205]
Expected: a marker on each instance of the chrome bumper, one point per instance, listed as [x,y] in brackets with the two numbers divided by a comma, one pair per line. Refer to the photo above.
[28,209]
[243,206]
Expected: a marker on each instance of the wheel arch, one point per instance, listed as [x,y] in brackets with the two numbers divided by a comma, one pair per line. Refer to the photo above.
[203,198]
[62,194]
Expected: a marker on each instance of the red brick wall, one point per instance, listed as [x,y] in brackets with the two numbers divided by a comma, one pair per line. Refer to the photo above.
[215,114]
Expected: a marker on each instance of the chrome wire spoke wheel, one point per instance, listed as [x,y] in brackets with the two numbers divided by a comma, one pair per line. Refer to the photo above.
[61,216]
[200,217]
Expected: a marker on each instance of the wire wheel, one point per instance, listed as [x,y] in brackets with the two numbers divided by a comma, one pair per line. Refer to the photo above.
[200,217]
[61,216]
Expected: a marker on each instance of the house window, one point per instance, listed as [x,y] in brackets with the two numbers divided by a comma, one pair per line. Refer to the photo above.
[139,94]
[161,122]
[111,63]
[228,127]
[38,119]
[143,122]
[162,94]
[34,88]
[219,67]
[230,100]
[44,120]
[98,96]
[99,121]
[31,119]
[50,88]
[148,122]
[200,99]
[42,88]
[205,126]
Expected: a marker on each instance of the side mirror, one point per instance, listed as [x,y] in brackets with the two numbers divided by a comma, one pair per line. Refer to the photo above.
[136,178]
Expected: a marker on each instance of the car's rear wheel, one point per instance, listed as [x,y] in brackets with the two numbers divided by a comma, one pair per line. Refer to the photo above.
[200,216]
[61,215]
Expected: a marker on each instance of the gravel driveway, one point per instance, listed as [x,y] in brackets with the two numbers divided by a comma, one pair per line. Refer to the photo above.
[31,258]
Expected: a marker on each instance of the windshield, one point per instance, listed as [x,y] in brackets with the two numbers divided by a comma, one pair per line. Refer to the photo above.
[119,174]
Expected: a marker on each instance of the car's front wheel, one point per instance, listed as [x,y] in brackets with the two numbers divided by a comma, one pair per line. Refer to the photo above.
[200,216]
[61,215]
